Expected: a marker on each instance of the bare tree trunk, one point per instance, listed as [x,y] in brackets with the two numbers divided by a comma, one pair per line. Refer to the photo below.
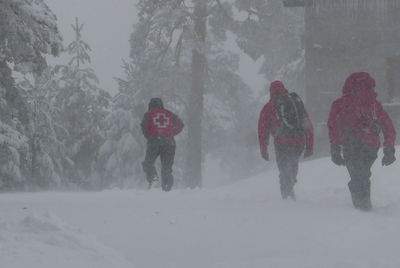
[195,110]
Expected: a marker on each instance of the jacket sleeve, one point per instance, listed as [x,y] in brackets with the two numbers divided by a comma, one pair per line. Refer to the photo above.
[178,124]
[334,125]
[143,125]
[309,135]
[389,132]
[264,128]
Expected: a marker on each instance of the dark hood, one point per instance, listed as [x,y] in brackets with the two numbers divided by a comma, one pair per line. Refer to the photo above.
[156,103]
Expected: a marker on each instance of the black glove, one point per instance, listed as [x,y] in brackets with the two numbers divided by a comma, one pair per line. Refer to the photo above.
[388,156]
[336,155]
[308,153]
[265,156]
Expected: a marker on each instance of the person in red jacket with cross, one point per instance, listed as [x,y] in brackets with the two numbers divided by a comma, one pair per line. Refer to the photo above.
[159,126]
[355,122]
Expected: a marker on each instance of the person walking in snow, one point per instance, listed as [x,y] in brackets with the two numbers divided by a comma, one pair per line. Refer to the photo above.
[355,122]
[159,126]
[285,118]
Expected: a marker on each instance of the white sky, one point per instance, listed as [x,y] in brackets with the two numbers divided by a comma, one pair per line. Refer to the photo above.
[108,25]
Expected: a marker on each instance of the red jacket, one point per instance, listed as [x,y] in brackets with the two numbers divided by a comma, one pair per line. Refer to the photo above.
[358,112]
[161,123]
[268,123]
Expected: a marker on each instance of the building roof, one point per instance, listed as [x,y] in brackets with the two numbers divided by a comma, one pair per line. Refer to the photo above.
[370,4]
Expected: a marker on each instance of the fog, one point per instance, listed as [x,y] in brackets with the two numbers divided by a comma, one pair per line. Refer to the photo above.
[85,108]
[199,133]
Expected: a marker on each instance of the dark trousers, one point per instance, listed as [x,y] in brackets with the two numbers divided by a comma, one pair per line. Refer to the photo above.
[359,158]
[287,158]
[165,148]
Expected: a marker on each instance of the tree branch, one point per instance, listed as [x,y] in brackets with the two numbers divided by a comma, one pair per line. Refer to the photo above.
[165,50]
[178,50]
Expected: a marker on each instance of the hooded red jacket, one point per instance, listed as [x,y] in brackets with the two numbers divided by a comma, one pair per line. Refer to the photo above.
[358,112]
[268,123]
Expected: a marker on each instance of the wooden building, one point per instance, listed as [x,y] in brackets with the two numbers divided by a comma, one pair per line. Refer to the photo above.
[345,36]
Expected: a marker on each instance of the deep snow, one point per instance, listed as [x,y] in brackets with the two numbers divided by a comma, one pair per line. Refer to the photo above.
[242,225]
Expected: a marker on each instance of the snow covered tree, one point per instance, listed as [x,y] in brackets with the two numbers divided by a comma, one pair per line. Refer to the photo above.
[267,29]
[14,141]
[51,168]
[178,53]
[28,31]
[119,157]
[83,106]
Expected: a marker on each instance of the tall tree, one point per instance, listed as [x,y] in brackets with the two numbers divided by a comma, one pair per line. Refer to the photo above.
[50,166]
[27,32]
[83,106]
[195,113]
[178,52]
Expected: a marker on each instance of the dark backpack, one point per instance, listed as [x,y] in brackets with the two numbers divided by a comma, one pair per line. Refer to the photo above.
[289,109]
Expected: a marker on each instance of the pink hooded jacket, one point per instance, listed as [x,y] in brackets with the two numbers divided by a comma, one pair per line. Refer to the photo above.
[358,112]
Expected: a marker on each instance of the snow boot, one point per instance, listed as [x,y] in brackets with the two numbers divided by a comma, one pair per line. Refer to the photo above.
[361,195]
[167,182]
[287,190]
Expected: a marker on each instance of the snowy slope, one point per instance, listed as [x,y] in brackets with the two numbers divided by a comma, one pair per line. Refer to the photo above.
[46,241]
[242,225]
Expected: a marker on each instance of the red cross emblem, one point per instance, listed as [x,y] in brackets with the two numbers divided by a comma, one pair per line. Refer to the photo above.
[161,120]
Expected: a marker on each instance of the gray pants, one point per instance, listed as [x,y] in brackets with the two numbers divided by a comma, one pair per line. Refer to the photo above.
[359,158]
[287,158]
[165,148]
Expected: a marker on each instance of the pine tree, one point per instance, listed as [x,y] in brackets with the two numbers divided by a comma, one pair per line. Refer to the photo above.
[119,158]
[83,106]
[177,52]
[51,167]
[27,32]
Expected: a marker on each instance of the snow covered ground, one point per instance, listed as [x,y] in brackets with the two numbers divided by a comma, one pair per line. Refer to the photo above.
[242,225]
